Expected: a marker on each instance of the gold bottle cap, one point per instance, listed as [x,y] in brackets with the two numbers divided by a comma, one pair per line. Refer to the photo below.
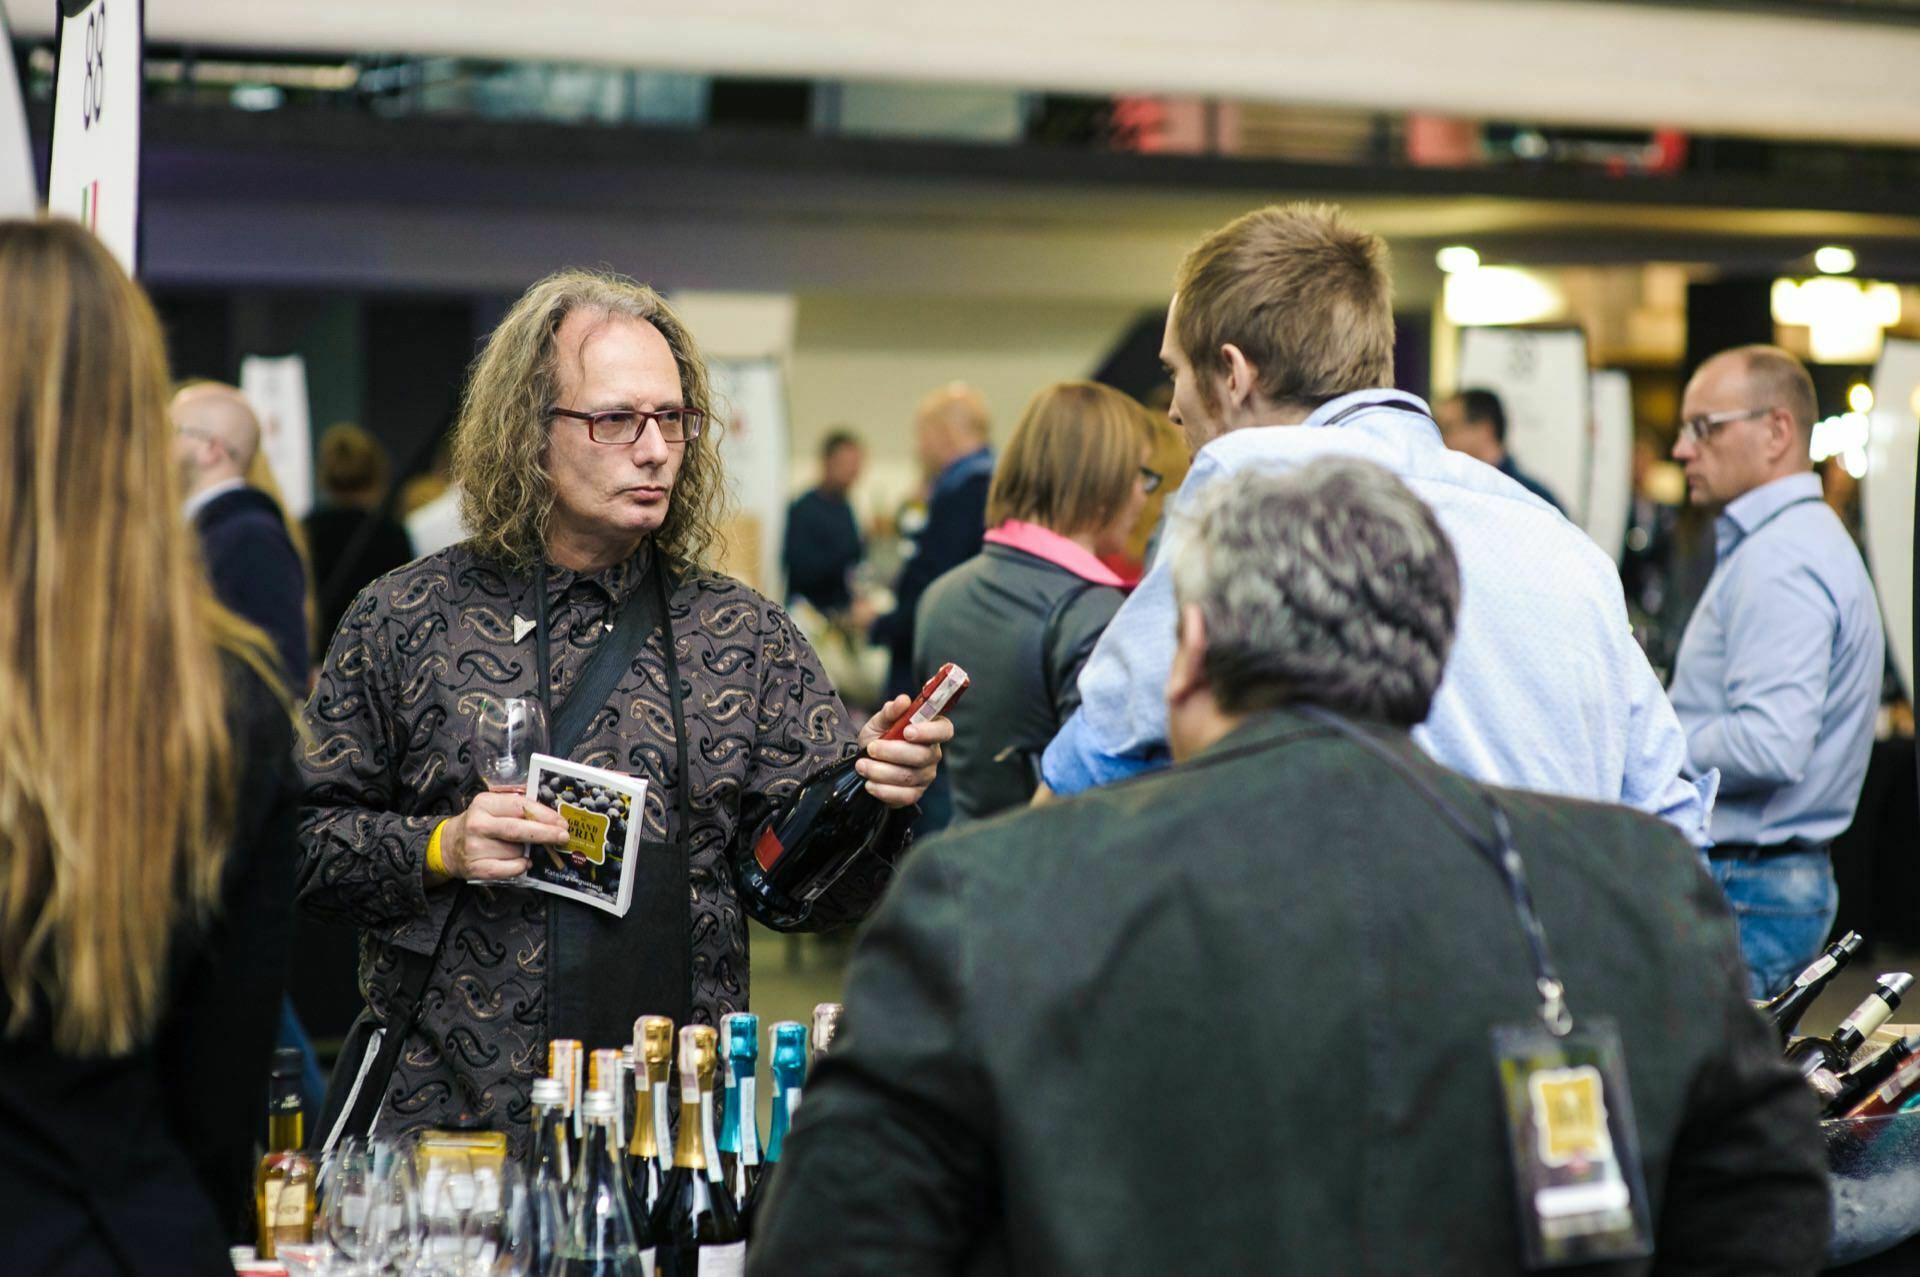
[699,1045]
[653,1040]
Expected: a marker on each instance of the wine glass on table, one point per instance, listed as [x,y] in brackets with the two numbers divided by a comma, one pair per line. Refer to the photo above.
[507,733]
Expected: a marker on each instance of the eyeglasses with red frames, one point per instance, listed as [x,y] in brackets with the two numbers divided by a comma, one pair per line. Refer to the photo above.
[619,426]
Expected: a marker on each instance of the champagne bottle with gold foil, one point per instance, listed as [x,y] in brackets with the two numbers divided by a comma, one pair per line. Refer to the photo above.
[696,1228]
[283,1185]
[649,1150]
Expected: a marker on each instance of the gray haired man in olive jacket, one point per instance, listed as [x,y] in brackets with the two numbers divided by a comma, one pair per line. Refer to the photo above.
[1236,1017]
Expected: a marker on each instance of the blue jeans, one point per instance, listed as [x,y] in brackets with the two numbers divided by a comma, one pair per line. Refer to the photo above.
[1785,906]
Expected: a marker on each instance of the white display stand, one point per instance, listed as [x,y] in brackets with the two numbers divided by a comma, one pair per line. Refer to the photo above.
[94,176]
[1610,461]
[1541,377]
[751,398]
[277,389]
[1886,494]
[19,189]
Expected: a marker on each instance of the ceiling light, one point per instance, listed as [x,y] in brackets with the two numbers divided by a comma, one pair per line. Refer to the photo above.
[1833,260]
[1457,259]
[1860,397]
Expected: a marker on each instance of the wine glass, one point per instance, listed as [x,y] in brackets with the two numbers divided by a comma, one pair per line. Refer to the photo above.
[347,1198]
[507,733]
[500,1239]
[447,1194]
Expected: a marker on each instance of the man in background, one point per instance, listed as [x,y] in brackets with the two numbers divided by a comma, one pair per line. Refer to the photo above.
[823,544]
[1070,1043]
[1778,676]
[1280,345]
[951,431]
[243,536]
[1475,422]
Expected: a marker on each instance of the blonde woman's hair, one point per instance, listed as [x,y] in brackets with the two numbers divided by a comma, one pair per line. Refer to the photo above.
[500,438]
[1072,461]
[116,764]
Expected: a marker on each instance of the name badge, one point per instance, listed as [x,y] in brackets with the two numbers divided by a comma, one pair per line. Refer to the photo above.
[1579,1189]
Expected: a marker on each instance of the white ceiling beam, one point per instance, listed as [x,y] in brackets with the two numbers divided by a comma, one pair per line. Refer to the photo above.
[1537,60]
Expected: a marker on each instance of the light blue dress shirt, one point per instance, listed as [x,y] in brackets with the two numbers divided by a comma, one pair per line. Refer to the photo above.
[1545,688]
[1778,676]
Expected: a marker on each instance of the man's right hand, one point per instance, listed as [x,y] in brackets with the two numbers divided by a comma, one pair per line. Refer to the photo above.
[486,842]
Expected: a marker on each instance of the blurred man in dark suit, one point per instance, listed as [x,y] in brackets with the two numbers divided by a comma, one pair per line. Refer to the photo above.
[951,429]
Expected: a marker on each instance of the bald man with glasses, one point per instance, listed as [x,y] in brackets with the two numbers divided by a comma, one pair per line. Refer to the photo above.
[1778,674]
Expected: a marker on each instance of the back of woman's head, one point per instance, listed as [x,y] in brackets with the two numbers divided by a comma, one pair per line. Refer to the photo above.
[115,789]
[1072,461]
[353,465]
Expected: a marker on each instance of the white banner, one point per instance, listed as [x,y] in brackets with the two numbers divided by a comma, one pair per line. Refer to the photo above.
[1886,494]
[751,397]
[19,188]
[95,174]
[277,389]
[1610,461]
[1540,375]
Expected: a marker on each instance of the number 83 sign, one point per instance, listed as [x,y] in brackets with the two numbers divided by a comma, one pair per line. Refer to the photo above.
[95,174]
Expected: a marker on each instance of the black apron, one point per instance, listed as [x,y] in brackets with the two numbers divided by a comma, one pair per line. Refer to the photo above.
[648,954]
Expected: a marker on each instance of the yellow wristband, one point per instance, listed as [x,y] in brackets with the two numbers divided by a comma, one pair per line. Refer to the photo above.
[435,862]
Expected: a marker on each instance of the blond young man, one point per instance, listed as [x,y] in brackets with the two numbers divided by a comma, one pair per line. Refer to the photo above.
[1280,346]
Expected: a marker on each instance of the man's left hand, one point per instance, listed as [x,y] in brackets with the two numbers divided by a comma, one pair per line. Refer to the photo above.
[898,771]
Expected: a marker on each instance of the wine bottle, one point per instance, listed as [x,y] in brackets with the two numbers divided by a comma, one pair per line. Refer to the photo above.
[283,1184]
[802,849]
[826,1025]
[1897,1092]
[552,1177]
[742,1166]
[603,1074]
[1833,1056]
[1786,1008]
[787,1060]
[695,1227]
[727,1136]
[647,1151]
[1862,1082]
[602,1238]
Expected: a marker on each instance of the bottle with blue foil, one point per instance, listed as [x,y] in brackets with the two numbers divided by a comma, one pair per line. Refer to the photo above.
[787,1060]
[728,1116]
[740,1140]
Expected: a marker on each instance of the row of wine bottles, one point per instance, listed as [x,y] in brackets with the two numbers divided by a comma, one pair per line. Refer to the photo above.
[1883,1083]
[637,1214]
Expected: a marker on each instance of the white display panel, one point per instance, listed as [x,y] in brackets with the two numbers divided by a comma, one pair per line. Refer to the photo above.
[94,177]
[1610,464]
[1541,377]
[19,189]
[1886,494]
[751,397]
[276,386]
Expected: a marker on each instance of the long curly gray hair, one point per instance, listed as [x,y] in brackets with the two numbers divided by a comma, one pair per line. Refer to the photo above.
[500,439]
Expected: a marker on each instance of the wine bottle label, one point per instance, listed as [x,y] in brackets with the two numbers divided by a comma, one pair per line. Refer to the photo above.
[646,1262]
[1822,968]
[1907,1075]
[722,1261]
[749,1125]
[793,1102]
[1867,1019]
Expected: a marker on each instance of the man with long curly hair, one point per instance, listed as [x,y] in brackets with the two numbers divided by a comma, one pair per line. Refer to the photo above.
[589,473]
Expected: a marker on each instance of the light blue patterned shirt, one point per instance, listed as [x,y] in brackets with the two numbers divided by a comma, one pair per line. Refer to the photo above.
[1545,688]
[1778,677]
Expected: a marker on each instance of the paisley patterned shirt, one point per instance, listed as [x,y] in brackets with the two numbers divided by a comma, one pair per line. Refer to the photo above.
[386,758]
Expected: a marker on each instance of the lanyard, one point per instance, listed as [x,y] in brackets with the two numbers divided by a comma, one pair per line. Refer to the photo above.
[1499,851]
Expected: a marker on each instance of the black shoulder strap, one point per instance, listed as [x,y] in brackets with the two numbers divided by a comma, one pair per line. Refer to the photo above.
[587,697]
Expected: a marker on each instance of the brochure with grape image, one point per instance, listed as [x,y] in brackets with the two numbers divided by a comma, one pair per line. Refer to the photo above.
[602,811]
